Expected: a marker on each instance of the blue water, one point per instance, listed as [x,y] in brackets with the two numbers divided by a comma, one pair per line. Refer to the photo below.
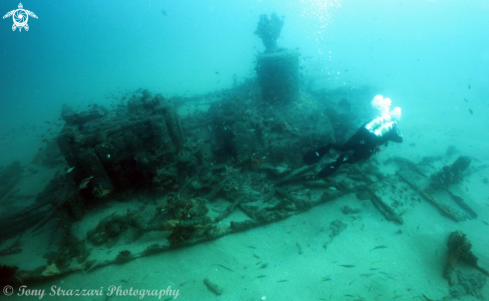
[431,57]
[422,54]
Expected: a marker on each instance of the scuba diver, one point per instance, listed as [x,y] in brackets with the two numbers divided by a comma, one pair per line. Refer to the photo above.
[365,142]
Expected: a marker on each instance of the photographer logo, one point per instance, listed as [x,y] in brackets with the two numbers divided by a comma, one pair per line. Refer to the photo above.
[20,17]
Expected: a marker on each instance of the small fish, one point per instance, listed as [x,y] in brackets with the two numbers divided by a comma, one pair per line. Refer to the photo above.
[486,223]
[469,87]
[284,280]
[426,298]
[347,265]
[144,277]
[70,169]
[325,279]
[367,275]
[217,73]
[251,247]
[84,183]
[261,276]
[378,247]
[163,12]
[222,266]
[466,100]
[471,112]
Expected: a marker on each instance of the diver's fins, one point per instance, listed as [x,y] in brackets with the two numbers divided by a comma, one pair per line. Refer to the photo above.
[333,166]
[315,156]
